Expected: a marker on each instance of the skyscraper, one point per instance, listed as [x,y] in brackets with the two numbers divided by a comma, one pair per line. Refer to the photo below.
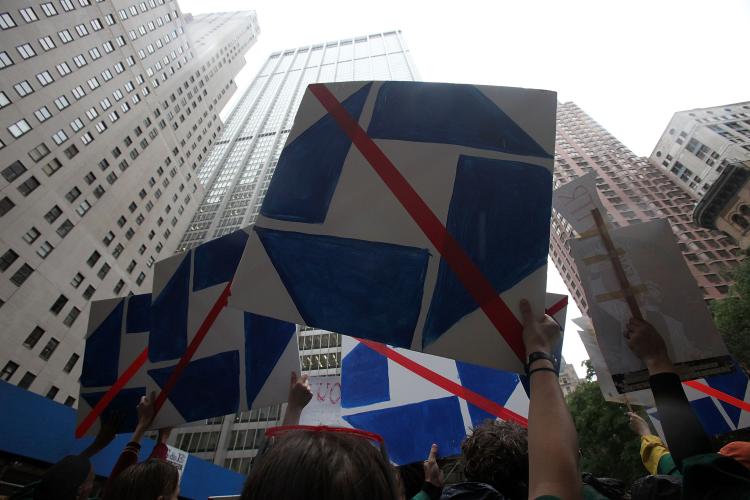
[107,108]
[632,190]
[236,175]
[699,143]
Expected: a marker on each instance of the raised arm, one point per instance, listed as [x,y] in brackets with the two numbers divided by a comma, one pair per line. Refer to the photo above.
[553,442]
[299,395]
[682,429]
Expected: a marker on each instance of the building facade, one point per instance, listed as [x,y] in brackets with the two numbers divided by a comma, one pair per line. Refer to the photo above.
[726,204]
[632,190]
[236,175]
[698,144]
[107,108]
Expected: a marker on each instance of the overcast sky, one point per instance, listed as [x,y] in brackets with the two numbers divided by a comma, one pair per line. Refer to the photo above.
[629,64]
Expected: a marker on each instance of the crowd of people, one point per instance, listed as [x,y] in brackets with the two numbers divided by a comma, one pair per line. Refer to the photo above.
[501,460]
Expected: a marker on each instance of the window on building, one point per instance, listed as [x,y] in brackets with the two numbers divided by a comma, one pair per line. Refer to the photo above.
[19,128]
[93,258]
[89,292]
[58,305]
[26,381]
[118,287]
[6,205]
[103,271]
[77,280]
[26,50]
[13,171]
[28,186]
[5,60]
[52,215]
[52,392]
[39,152]
[33,338]
[72,316]
[45,249]
[49,349]
[64,228]
[8,370]
[70,401]
[73,194]
[49,9]
[23,88]
[31,235]
[21,275]
[71,363]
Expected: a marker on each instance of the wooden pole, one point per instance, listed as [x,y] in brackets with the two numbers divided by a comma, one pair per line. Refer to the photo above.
[622,278]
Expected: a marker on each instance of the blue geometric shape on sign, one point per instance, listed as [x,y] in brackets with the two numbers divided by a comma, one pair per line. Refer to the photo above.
[169,316]
[364,378]
[216,261]
[734,384]
[208,387]
[124,404]
[710,416]
[101,356]
[309,168]
[265,342]
[361,288]
[139,314]
[407,441]
[494,385]
[499,214]
[444,113]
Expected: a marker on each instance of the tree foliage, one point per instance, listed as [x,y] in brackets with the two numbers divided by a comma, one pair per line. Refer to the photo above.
[608,447]
[732,315]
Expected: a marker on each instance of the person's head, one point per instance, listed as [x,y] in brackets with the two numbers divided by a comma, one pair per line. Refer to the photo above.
[72,478]
[497,453]
[318,465]
[411,477]
[151,480]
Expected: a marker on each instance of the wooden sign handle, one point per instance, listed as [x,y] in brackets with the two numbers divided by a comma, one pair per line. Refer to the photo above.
[622,278]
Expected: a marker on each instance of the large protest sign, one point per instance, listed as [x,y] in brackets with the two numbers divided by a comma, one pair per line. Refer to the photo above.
[575,200]
[414,399]
[716,412]
[667,296]
[206,359]
[412,214]
[112,379]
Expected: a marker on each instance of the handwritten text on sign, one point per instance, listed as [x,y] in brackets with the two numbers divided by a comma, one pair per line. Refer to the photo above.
[325,406]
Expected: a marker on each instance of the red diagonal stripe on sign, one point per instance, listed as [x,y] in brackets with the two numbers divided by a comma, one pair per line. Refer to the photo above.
[102,404]
[557,306]
[447,384]
[467,272]
[722,396]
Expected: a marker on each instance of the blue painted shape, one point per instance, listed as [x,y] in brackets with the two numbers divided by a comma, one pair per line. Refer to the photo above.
[37,428]
[216,261]
[265,342]
[494,385]
[364,378]
[169,316]
[709,415]
[406,438]
[499,214]
[309,168]
[361,288]
[101,356]
[123,403]
[447,114]
[208,387]
[734,384]
[139,314]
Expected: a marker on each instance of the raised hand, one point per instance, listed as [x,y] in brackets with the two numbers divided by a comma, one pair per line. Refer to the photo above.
[432,472]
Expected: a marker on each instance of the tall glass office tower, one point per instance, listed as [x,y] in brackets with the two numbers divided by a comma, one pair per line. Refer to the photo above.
[236,175]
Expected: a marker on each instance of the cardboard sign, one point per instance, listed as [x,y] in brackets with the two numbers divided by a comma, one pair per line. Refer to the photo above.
[325,406]
[668,298]
[115,351]
[178,458]
[411,214]
[241,360]
[575,200]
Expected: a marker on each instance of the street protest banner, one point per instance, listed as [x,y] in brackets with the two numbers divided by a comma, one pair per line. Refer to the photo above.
[206,359]
[412,214]
[114,354]
[389,391]
[325,406]
[712,403]
[666,295]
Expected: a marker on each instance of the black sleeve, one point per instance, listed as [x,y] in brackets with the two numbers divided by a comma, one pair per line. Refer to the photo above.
[432,491]
[682,429]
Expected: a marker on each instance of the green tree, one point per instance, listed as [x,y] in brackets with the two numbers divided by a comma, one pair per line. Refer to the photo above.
[608,447]
[732,315]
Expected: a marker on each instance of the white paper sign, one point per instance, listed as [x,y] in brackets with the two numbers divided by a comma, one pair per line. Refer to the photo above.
[325,406]
[178,458]
[575,201]
[667,294]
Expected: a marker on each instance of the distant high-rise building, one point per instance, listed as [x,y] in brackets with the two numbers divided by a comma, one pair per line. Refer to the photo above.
[236,175]
[698,144]
[107,108]
[632,190]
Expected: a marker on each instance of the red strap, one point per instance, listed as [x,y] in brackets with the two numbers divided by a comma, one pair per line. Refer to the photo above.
[467,272]
[220,303]
[722,396]
[462,392]
[102,404]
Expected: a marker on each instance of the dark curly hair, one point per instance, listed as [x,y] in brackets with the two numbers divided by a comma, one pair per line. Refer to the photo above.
[497,453]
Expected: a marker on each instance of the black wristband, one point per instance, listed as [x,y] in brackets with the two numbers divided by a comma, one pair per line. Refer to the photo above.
[536,356]
[542,369]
